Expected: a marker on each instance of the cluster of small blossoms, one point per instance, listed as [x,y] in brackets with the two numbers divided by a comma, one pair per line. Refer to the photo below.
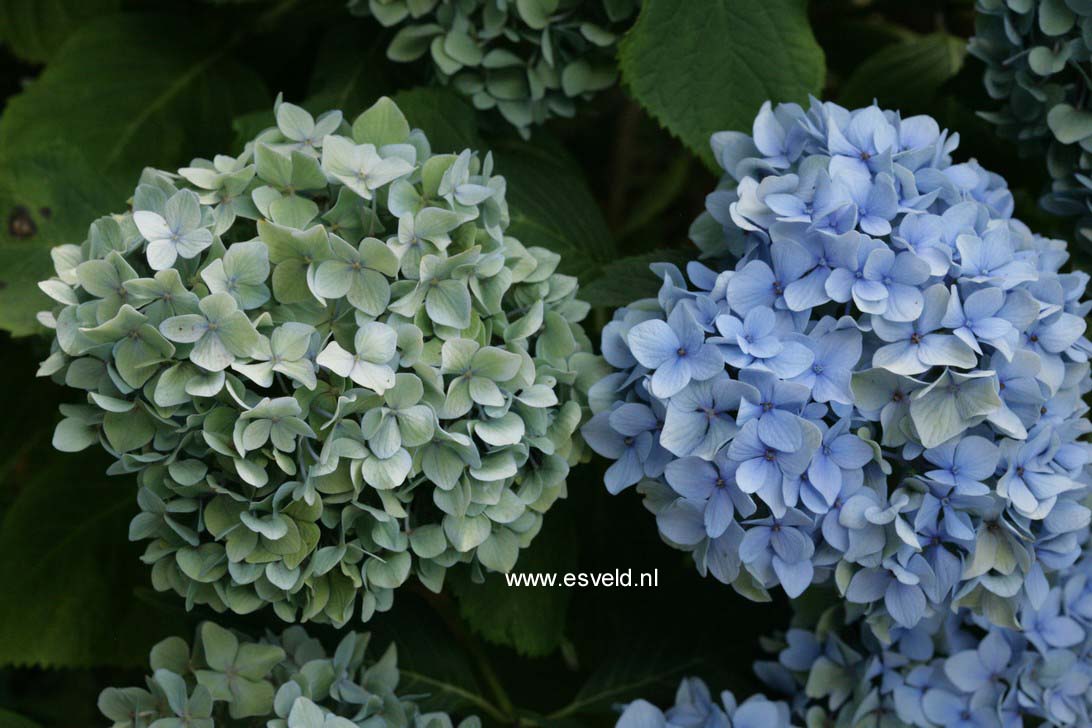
[327,364]
[281,681]
[695,707]
[529,60]
[951,669]
[1036,54]
[879,379]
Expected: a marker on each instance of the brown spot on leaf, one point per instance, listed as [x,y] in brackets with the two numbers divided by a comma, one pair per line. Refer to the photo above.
[20,223]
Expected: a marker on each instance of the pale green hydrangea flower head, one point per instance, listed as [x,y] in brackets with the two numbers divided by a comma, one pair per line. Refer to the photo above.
[281,681]
[528,59]
[327,364]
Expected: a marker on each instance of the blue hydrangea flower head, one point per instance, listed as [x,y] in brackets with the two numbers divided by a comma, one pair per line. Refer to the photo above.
[696,707]
[872,378]
[951,669]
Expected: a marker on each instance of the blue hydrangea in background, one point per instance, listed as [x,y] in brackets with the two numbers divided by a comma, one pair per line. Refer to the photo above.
[695,707]
[873,377]
[950,669]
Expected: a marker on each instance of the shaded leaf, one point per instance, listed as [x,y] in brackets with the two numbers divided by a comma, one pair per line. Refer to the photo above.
[11,720]
[447,120]
[905,75]
[625,280]
[100,113]
[35,30]
[551,205]
[529,619]
[701,67]
[38,213]
[68,572]
[344,76]
[636,669]
[101,96]
[431,663]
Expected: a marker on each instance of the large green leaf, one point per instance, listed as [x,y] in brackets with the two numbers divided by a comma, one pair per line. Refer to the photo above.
[35,29]
[69,572]
[11,720]
[346,75]
[905,75]
[530,619]
[39,211]
[700,67]
[638,668]
[625,280]
[551,205]
[447,119]
[124,92]
[431,662]
[103,95]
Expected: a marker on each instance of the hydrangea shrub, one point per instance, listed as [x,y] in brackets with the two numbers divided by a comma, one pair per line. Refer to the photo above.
[529,60]
[877,379]
[280,681]
[1036,53]
[327,364]
[696,706]
[950,669]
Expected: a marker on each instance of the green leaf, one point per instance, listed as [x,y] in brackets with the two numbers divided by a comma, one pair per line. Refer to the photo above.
[530,619]
[551,205]
[905,75]
[344,76]
[431,664]
[102,96]
[11,720]
[69,575]
[38,212]
[633,671]
[35,30]
[100,113]
[702,67]
[447,120]
[625,280]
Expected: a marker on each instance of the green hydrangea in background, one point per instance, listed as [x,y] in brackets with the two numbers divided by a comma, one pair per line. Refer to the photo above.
[283,681]
[326,363]
[1036,54]
[528,59]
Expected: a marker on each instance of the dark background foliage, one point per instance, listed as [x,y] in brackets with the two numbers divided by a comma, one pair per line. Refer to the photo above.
[93,90]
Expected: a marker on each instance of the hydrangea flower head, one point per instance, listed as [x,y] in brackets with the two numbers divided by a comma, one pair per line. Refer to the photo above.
[280,681]
[953,669]
[1034,54]
[327,364]
[696,706]
[873,377]
[528,60]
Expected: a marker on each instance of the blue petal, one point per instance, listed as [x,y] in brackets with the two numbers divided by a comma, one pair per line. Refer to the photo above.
[682,522]
[905,603]
[653,343]
[781,430]
[795,577]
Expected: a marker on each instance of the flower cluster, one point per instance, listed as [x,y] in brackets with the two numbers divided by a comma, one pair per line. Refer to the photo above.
[528,60]
[950,670]
[328,365]
[284,681]
[1034,52]
[695,708]
[884,387]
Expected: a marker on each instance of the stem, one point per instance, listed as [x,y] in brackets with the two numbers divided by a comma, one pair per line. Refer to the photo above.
[622,167]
